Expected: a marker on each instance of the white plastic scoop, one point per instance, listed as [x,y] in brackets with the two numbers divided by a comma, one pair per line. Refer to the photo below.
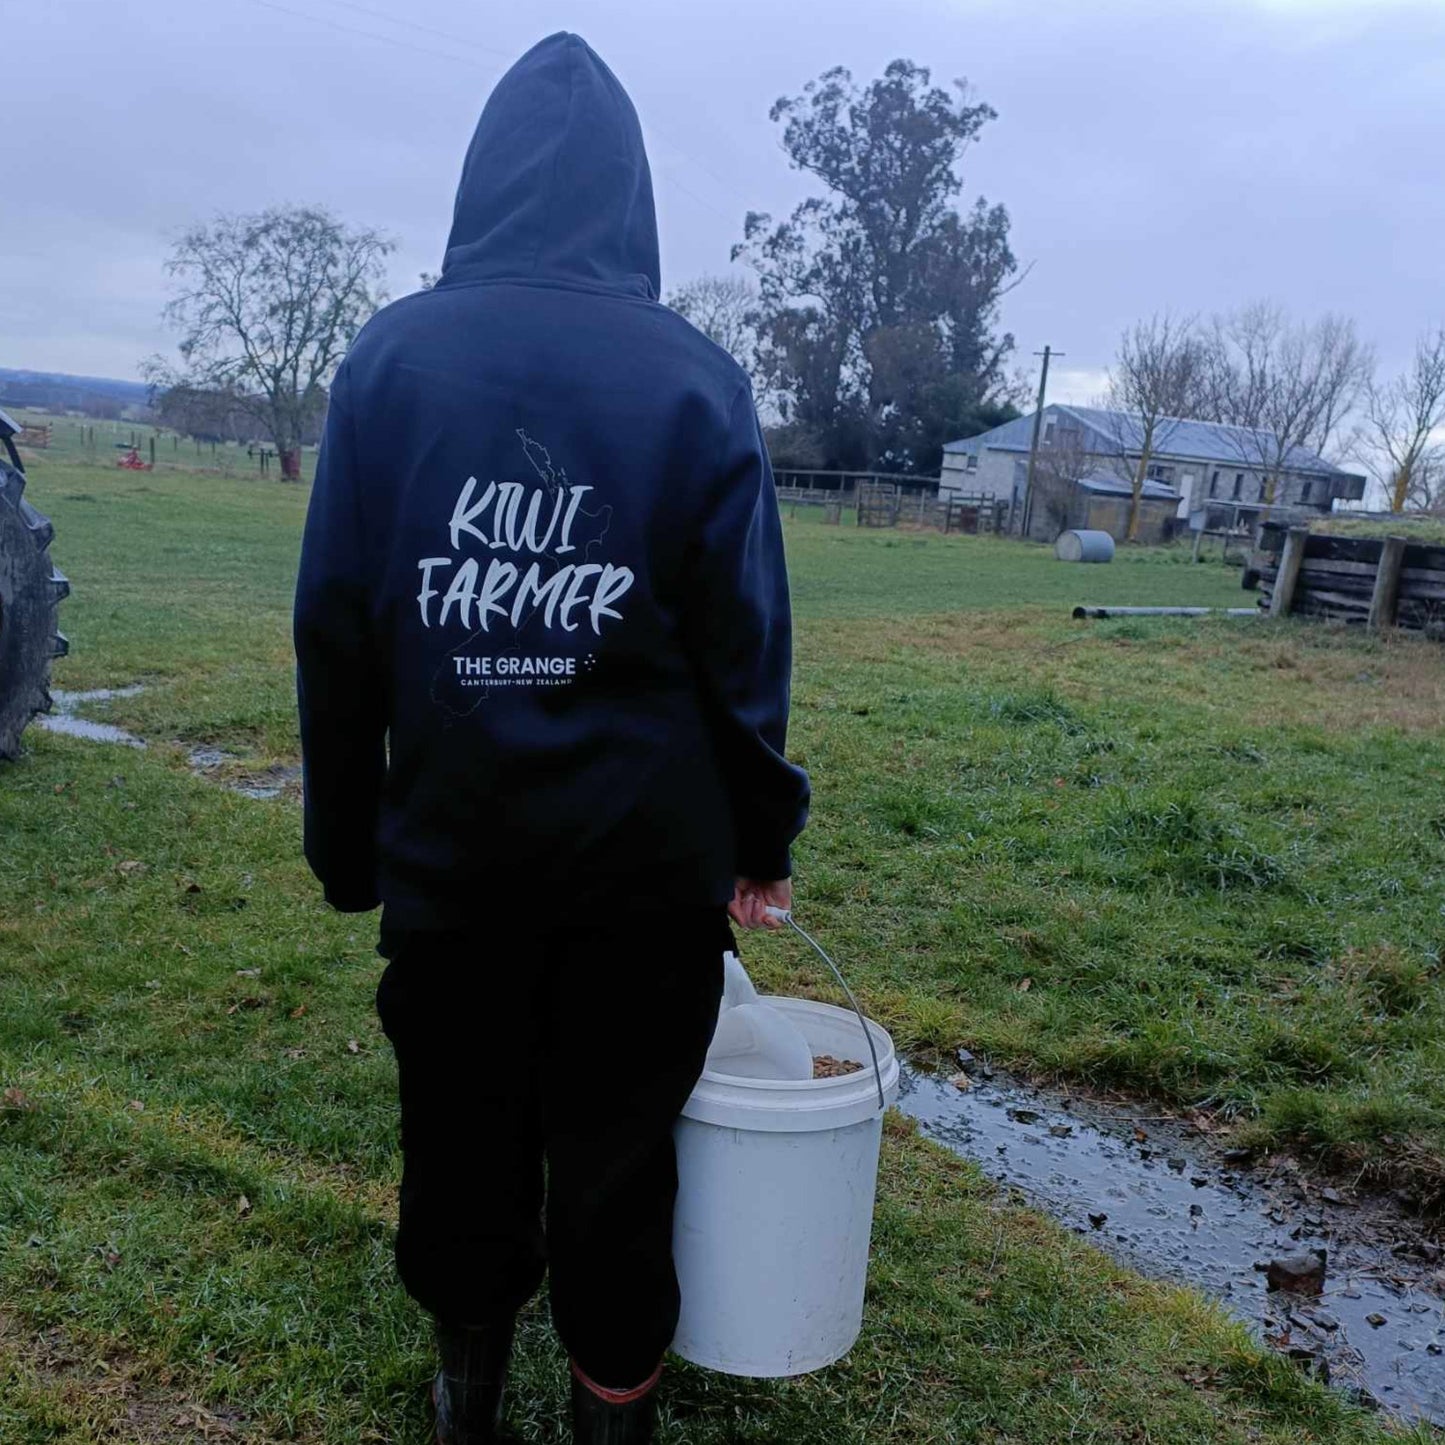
[753,1040]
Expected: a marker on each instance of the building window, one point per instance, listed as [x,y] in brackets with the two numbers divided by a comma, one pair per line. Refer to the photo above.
[971,465]
[1238,485]
[1048,433]
[1214,483]
[1306,492]
[1160,472]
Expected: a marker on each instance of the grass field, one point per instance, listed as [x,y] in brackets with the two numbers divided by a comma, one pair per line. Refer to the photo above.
[1201,862]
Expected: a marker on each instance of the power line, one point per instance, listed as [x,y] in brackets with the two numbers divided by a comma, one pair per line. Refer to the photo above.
[386,18]
[417,25]
[686,189]
[369,34]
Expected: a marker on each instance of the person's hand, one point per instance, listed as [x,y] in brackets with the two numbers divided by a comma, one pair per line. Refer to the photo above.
[752,898]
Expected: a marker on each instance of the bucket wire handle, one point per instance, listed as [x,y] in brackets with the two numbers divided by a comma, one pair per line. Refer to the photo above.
[785,915]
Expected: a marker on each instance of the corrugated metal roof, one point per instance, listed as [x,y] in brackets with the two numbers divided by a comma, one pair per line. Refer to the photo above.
[1011,436]
[1198,440]
[1180,440]
[1104,484]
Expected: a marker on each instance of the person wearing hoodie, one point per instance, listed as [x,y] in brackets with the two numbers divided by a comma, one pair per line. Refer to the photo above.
[543,641]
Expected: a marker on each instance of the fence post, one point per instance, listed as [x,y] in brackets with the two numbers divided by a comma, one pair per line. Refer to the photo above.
[1386,596]
[153,452]
[1290,561]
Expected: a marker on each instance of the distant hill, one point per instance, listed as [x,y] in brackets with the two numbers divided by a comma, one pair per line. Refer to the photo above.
[99,396]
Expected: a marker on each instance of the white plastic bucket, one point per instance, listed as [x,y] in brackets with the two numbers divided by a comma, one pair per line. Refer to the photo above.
[775,1205]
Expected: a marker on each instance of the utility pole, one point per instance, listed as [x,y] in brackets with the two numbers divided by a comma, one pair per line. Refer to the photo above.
[1028,500]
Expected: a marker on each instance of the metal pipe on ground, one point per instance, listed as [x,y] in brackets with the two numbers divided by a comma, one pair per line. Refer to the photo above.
[1082,612]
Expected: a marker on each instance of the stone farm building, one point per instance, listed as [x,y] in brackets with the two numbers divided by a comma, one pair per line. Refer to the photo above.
[1200,473]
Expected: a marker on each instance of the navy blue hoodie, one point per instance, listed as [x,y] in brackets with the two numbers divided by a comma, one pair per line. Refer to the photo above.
[542,616]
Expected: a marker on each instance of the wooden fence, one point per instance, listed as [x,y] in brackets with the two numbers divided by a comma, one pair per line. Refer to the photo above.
[831,502]
[802,480]
[976,512]
[36,436]
[880,502]
[1381,582]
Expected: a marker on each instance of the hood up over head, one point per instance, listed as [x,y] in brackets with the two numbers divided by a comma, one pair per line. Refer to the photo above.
[556,182]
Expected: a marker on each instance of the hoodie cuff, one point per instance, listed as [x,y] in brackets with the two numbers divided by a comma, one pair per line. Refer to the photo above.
[352,897]
[763,865]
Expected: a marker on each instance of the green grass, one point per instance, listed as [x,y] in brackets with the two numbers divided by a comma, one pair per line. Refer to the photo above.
[99,444]
[842,572]
[1422,530]
[1213,853]
[1216,852]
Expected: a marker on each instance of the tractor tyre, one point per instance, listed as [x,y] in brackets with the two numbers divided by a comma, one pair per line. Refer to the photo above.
[30,594]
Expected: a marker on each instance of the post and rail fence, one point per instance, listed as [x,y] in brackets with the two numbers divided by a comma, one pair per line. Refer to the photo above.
[891,499]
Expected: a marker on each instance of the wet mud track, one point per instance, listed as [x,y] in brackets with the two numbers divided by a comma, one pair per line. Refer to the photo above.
[1179,1208]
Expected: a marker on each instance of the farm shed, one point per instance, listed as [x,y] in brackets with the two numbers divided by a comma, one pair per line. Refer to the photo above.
[1098,503]
[1206,463]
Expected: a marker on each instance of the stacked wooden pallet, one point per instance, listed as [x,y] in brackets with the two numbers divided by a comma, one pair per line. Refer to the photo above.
[1382,581]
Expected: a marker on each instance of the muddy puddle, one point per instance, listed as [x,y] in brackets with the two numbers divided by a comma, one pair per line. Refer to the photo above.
[218,766]
[66,719]
[1157,1197]
[214,765]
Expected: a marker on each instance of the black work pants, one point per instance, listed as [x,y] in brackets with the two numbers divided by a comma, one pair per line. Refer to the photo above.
[566,1050]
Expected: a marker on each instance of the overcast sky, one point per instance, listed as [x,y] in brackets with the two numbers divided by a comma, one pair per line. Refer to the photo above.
[1192,155]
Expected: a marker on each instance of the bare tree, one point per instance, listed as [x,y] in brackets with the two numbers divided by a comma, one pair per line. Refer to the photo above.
[725,310]
[1283,385]
[266,308]
[218,415]
[1059,468]
[1152,387]
[1402,417]
[1427,485]
[721,308]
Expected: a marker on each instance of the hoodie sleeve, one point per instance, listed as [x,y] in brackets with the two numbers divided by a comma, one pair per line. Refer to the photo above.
[343,719]
[741,633]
